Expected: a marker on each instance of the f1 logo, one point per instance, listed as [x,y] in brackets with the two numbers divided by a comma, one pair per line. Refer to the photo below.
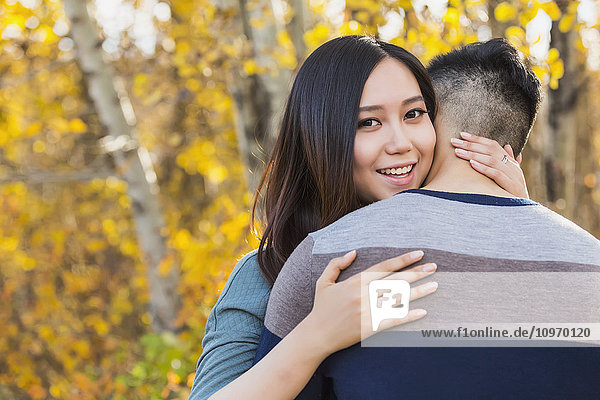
[388,298]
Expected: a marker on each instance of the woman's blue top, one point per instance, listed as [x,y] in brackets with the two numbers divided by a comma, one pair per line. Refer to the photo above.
[232,329]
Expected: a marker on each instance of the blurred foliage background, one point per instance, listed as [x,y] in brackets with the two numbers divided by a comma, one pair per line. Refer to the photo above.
[132,134]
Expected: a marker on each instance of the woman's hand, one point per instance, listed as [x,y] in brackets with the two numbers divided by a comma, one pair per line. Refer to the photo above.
[487,157]
[341,309]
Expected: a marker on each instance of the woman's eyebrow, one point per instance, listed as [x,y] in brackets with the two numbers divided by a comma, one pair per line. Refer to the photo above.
[410,100]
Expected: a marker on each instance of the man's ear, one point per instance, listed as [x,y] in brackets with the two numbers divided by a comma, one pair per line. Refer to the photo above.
[519,158]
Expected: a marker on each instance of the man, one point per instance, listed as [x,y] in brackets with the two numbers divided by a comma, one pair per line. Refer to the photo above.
[465,223]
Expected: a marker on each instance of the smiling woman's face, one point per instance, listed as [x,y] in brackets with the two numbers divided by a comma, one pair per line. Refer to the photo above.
[395,139]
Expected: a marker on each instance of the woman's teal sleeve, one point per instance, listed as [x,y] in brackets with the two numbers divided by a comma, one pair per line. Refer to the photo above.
[232,329]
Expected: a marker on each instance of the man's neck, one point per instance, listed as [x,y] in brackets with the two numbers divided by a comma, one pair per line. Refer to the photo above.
[452,174]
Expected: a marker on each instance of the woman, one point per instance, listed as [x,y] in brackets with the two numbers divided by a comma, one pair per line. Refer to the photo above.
[341,114]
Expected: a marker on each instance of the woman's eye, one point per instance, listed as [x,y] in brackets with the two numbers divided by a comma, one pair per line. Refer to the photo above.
[412,114]
[368,122]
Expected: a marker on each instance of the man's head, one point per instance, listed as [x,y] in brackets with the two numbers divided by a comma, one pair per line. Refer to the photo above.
[485,89]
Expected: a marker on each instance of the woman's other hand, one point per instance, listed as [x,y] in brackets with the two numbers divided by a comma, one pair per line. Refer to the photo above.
[487,157]
[341,309]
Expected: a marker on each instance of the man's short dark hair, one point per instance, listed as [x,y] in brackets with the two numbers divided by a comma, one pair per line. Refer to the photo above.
[485,88]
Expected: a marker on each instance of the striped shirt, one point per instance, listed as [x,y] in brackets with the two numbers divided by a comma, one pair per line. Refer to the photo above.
[461,233]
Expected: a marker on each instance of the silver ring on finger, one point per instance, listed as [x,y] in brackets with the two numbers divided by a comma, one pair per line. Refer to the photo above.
[504,159]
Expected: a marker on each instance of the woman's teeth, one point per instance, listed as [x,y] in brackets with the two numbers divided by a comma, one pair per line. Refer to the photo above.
[396,171]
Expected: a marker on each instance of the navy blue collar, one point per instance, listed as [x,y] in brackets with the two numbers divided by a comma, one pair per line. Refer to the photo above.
[474,198]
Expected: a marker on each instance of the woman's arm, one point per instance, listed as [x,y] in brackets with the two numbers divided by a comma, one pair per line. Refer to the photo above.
[498,163]
[334,324]
[233,329]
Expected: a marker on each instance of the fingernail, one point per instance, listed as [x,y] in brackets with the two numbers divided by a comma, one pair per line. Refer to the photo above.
[416,254]
[349,254]
[461,152]
[429,267]
[465,135]
[475,163]
[457,141]
[430,286]
[420,312]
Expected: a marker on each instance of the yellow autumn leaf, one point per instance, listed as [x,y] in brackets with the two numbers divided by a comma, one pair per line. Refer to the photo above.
[46,333]
[9,244]
[193,85]
[406,5]
[165,266]
[553,55]
[250,67]
[182,239]
[33,129]
[557,69]
[39,146]
[217,174]
[173,378]
[505,12]
[185,71]
[28,263]
[182,47]
[316,36]
[470,39]
[515,33]
[81,347]
[473,3]
[77,125]
[139,84]
[59,124]
[286,60]
[108,225]
[352,28]
[412,36]
[566,23]
[527,15]
[540,72]
[362,16]
[551,9]
[452,17]
[36,392]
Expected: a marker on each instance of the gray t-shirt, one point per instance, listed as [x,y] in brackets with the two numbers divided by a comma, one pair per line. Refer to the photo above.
[461,233]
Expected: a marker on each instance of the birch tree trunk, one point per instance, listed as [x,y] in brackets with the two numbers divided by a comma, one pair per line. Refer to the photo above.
[563,123]
[498,28]
[533,165]
[298,26]
[588,159]
[259,98]
[534,162]
[132,160]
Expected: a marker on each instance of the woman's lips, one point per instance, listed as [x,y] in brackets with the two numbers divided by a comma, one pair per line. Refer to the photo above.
[399,180]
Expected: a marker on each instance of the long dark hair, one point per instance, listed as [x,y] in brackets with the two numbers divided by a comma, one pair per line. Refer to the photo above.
[307,182]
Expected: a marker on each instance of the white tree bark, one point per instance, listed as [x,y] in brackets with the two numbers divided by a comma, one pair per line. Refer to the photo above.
[563,123]
[259,98]
[132,160]
[299,24]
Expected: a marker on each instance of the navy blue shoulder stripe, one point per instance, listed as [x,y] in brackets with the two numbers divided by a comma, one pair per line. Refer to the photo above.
[474,198]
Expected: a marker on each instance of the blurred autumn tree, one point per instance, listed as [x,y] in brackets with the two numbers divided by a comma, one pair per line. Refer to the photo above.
[198,87]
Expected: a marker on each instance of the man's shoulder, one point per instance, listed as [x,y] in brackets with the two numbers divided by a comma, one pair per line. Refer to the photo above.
[374,213]
[552,223]
[293,292]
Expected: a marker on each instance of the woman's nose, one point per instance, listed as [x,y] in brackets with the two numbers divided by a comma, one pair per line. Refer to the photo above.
[398,141]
